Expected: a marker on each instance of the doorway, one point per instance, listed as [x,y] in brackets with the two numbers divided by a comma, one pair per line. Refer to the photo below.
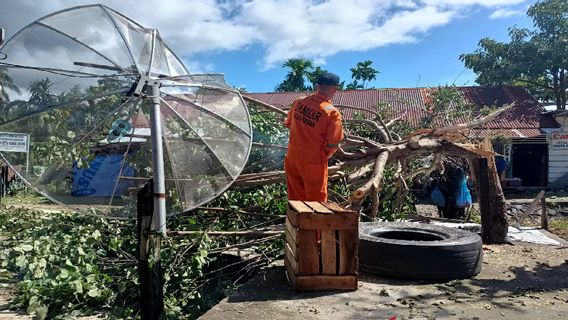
[530,163]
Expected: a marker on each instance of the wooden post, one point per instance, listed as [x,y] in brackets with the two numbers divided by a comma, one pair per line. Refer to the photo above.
[544,214]
[149,265]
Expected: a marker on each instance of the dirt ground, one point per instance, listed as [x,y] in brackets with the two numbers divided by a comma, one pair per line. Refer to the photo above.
[517,282]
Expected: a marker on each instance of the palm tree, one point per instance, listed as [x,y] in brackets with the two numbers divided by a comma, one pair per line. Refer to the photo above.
[314,75]
[294,81]
[6,84]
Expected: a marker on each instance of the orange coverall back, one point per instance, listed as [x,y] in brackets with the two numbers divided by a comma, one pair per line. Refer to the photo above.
[315,132]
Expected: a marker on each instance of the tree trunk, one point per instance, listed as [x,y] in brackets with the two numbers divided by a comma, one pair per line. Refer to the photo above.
[491,200]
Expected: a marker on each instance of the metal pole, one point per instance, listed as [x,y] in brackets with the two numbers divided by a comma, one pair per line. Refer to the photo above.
[159,221]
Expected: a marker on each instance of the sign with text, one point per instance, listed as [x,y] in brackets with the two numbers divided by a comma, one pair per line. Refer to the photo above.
[14,142]
[558,140]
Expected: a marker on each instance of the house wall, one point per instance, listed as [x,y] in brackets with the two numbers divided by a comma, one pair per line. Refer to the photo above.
[557,158]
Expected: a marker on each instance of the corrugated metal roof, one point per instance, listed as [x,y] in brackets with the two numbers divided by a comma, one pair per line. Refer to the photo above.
[526,116]
[505,133]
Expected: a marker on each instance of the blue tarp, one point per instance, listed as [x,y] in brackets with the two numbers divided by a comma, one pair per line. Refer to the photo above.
[98,180]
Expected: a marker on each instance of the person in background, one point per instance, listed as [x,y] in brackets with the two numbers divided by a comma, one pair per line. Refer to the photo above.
[501,166]
[315,133]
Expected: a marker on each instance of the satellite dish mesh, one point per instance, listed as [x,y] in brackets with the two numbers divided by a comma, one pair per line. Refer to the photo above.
[76,94]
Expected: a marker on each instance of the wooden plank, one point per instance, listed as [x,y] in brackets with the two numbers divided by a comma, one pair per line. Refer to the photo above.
[293,217]
[290,271]
[530,209]
[292,243]
[344,221]
[335,207]
[348,247]
[328,252]
[318,207]
[292,231]
[291,258]
[299,206]
[326,282]
[308,256]
[544,214]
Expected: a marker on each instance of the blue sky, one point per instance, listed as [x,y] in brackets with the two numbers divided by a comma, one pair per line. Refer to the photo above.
[430,61]
[411,42]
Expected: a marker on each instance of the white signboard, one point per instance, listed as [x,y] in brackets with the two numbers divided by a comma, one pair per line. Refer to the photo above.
[14,142]
[558,141]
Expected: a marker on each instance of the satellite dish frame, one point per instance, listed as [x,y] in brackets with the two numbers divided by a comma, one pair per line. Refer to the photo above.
[151,223]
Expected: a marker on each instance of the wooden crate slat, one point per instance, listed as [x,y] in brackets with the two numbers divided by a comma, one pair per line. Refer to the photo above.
[291,258]
[299,206]
[293,217]
[332,263]
[348,248]
[335,207]
[291,243]
[290,271]
[308,256]
[318,207]
[322,282]
[330,221]
[292,231]
[328,252]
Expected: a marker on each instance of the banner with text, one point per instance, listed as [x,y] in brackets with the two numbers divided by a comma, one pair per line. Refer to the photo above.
[14,142]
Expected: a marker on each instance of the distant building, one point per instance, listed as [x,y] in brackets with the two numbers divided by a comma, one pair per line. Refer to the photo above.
[521,133]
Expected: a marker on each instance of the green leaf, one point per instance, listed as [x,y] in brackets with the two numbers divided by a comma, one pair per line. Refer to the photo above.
[27,247]
[21,261]
[63,274]
[78,286]
[96,234]
[94,293]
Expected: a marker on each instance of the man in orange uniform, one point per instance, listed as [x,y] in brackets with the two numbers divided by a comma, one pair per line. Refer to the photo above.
[315,132]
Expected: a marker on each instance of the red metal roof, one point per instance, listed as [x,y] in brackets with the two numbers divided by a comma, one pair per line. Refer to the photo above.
[526,116]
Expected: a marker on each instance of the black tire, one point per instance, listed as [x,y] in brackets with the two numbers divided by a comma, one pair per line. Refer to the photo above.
[418,251]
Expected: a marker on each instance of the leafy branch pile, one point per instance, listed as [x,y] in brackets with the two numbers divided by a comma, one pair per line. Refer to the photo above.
[67,265]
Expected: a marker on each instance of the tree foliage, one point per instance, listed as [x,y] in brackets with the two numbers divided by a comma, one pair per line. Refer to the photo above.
[537,59]
[363,72]
[6,84]
[295,79]
[301,70]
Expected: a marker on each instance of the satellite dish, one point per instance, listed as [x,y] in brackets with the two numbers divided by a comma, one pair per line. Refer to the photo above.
[85,84]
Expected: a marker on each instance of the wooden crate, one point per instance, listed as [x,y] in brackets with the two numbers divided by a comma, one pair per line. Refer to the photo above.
[330,263]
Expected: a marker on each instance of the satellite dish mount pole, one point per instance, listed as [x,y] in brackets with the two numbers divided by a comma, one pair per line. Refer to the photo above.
[152,219]
[159,223]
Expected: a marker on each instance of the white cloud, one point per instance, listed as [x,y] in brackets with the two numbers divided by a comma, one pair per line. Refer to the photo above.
[283,28]
[505,13]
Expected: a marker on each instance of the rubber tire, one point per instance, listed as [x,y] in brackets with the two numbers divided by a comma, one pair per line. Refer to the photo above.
[451,253]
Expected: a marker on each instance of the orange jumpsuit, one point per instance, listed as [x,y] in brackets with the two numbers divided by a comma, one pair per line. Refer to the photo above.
[315,132]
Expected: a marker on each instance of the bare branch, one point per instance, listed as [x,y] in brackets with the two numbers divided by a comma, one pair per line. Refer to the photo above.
[378,170]
[436,164]
[475,123]
[265,105]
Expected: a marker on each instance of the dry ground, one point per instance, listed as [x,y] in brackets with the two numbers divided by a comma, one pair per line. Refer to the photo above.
[517,282]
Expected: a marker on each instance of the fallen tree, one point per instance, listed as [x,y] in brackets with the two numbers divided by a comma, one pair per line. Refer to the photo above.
[361,161]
